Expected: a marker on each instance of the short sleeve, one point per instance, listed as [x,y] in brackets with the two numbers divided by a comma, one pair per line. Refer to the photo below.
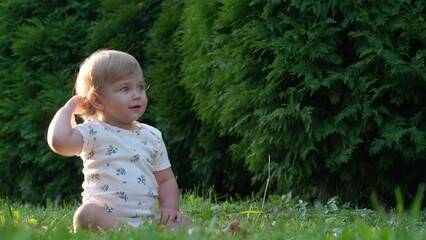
[87,132]
[161,160]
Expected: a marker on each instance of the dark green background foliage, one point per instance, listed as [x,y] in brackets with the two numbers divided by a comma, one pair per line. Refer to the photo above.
[40,52]
[330,91]
[199,153]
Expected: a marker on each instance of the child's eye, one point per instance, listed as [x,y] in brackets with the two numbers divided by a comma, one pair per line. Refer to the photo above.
[141,88]
[124,89]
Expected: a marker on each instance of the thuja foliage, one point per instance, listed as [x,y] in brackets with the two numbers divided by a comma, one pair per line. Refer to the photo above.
[40,50]
[198,153]
[332,91]
[123,25]
[42,45]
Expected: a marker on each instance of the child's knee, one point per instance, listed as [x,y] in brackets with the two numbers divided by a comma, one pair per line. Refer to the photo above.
[85,216]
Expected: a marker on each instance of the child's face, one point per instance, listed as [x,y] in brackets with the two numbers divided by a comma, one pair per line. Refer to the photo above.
[123,101]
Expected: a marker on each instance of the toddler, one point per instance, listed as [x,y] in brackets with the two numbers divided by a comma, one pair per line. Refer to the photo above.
[125,163]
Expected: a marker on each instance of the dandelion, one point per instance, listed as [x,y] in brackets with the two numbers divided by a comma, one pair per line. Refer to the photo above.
[31,221]
[15,215]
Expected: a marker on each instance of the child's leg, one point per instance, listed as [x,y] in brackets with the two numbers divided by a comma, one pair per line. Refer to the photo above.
[185,224]
[234,227]
[92,216]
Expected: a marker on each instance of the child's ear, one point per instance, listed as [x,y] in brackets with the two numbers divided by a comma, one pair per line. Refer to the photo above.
[95,101]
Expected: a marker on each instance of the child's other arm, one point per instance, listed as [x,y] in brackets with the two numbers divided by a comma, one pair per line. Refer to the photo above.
[168,196]
[61,136]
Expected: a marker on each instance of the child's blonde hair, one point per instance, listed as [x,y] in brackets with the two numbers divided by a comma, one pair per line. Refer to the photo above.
[103,66]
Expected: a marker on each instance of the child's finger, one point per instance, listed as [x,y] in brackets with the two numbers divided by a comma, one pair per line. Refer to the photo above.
[174,216]
[178,217]
[165,218]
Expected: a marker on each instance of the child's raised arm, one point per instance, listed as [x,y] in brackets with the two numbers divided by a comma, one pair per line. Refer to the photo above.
[61,136]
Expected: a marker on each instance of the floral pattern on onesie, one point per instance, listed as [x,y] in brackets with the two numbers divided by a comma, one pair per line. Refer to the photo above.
[119,166]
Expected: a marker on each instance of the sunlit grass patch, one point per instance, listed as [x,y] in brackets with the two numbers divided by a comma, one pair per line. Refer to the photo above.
[276,217]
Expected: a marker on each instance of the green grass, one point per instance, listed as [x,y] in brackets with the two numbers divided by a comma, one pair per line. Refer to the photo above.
[279,217]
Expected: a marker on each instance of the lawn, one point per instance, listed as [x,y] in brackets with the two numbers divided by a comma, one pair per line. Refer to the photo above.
[276,217]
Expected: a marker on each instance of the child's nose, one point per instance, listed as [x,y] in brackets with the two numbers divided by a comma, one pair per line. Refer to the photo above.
[136,95]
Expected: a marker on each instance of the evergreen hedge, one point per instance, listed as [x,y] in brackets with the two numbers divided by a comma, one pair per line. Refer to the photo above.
[199,154]
[40,51]
[330,91]
[43,44]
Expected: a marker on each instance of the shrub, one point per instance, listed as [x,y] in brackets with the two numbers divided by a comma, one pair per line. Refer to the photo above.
[331,91]
[43,44]
[198,152]
[40,52]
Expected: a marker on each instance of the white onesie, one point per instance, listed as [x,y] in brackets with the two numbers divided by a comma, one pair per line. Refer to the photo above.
[119,166]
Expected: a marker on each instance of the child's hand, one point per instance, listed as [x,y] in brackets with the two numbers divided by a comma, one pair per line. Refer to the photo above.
[170,216]
[75,104]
